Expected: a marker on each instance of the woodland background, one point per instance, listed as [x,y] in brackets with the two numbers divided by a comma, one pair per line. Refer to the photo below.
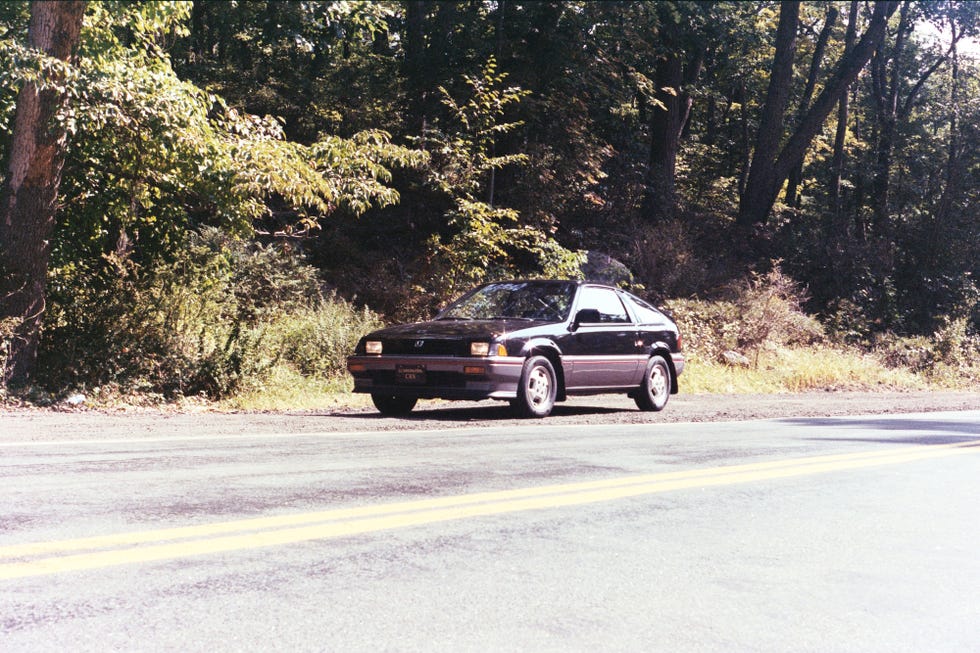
[248,187]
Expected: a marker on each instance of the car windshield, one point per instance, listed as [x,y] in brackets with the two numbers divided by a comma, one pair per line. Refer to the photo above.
[546,302]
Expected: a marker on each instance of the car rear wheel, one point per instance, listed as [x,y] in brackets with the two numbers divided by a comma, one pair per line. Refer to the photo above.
[393,405]
[537,389]
[654,391]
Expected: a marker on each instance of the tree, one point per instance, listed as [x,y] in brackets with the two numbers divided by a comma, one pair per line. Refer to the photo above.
[28,200]
[840,135]
[796,175]
[771,164]
[677,69]
[764,180]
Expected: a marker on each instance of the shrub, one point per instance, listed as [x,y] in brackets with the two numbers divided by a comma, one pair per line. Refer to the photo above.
[222,314]
[666,259]
[770,313]
[317,339]
[896,352]
[708,328]
[765,313]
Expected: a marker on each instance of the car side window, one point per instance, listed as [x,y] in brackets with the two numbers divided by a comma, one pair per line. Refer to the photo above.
[645,313]
[605,301]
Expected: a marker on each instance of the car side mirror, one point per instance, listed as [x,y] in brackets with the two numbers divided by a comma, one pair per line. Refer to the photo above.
[586,316]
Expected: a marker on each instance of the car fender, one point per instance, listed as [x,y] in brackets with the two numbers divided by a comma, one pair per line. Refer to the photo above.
[548,348]
[663,349]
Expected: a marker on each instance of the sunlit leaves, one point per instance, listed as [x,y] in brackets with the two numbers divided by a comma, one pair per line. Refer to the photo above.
[486,241]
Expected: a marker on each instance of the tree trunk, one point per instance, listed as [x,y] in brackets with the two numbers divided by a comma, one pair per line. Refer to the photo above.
[660,198]
[886,103]
[944,213]
[762,185]
[762,188]
[796,175]
[414,64]
[842,114]
[30,190]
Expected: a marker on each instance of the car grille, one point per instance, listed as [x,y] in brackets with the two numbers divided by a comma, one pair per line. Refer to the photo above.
[426,347]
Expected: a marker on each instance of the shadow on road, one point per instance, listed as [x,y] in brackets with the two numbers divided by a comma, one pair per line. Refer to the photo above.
[490,412]
[933,432]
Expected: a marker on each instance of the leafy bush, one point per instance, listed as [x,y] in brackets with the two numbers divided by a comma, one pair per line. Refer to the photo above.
[666,260]
[895,352]
[222,314]
[950,357]
[7,330]
[765,313]
[708,328]
[770,313]
[316,340]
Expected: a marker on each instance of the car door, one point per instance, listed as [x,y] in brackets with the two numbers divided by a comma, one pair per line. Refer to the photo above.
[601,352]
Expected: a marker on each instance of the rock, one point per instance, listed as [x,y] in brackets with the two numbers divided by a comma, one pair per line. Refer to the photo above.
[603,268]
[76,399]
[735,359]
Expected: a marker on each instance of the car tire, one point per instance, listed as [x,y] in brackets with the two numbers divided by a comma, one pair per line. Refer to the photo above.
[393,405]
[654,391]
[537,389]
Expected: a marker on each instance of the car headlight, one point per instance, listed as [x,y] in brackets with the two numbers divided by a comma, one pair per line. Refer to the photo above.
[372,347]
[487,349]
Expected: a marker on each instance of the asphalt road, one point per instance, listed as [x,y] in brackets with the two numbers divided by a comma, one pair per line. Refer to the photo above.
[805,534]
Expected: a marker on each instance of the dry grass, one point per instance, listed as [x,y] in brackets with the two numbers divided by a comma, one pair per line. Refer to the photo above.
[286,389]
[780,371]
[788,370]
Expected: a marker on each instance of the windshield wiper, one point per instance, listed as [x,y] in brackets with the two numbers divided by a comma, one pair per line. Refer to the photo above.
[453,317]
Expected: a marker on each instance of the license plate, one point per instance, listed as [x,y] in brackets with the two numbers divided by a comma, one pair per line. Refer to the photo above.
[410,374]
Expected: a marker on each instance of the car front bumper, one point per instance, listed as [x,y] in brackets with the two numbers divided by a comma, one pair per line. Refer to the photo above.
[437,377]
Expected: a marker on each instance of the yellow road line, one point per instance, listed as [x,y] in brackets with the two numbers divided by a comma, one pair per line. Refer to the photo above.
[172,543]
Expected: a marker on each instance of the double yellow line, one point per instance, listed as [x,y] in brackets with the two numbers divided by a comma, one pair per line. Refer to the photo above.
[40,558]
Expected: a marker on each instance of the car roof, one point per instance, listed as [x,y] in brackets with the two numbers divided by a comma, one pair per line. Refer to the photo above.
[574,282]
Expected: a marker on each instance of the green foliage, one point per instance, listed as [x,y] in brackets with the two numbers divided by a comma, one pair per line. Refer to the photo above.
[220,316]
[770,313]
[465,156]
[316,340]
[290,120]
[709,328]
[153,155]
[486,242]
[949,357]
[765,314]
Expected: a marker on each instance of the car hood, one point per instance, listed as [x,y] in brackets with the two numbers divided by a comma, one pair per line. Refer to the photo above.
[454,329]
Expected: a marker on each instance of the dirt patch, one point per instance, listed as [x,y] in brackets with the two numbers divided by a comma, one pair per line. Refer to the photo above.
[82,424]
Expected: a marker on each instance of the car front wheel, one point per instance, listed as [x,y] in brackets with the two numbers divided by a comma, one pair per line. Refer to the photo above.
[537,389]
[655,389]
[393,405]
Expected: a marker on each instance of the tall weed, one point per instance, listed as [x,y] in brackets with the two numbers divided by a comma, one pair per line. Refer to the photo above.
[219,317]
[765,313]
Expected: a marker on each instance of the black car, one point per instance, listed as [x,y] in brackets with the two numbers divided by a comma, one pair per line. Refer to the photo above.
[528,342]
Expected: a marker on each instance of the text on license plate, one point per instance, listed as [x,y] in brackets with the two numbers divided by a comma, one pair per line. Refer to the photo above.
[414,374]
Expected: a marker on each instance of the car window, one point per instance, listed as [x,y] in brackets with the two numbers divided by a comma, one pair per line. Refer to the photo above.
[645,313]
[547,302]
[605,301]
